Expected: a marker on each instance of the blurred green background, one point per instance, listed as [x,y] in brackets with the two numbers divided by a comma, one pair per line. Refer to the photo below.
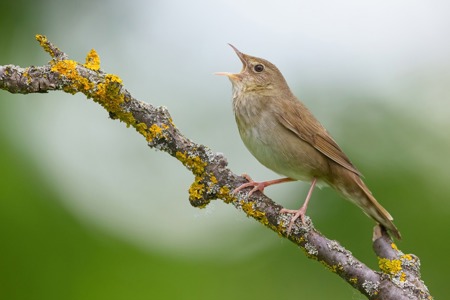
[87,211]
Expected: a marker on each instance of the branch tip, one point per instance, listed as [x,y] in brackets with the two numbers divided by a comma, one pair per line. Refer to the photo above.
[51,49]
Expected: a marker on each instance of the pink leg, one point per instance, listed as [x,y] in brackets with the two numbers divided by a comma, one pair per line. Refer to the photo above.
[300,212]
[259,186]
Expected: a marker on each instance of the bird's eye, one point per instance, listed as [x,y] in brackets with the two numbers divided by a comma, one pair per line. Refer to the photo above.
[258,68]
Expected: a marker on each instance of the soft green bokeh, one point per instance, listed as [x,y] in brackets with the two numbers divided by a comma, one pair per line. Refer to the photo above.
[114,231]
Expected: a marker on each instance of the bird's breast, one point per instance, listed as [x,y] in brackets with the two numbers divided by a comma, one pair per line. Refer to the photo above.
[272,144]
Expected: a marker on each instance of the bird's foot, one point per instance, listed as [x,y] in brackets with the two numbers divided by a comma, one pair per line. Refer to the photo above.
[258,186]
[298,213]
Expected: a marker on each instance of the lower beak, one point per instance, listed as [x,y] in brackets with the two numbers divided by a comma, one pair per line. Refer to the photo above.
[229,75]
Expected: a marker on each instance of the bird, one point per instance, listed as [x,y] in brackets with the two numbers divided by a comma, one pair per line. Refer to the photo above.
[284,136]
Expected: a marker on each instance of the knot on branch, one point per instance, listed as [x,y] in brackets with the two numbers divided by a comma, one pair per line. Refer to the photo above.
[210,173]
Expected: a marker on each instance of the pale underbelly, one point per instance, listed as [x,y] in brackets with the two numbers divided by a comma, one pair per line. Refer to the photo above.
[286,154]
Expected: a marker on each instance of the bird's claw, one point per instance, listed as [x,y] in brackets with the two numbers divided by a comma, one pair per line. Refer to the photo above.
[257,186]
[298,213]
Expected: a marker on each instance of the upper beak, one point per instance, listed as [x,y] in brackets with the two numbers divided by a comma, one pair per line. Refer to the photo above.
[241,57]
[240,54]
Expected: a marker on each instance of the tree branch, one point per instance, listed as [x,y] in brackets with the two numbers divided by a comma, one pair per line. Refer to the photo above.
[399,277]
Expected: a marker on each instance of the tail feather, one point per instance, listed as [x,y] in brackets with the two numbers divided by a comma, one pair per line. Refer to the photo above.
[353,188]
[373,209]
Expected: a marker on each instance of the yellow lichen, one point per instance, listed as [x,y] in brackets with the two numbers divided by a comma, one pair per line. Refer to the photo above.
[154,132]
[192,162]
[196,190]
[110,89]
[26,74]
[222,192]
[403,276]
[213,179]
[248,208]
[332,268]
[353,280]
[406,256]
[329,267]
[394,246]
[225,195]
[212,185]
[92,60]
[42,39]
[277,228]
[142,129]
[107,92]
[68,68]
[338,267]
[390,266]
[109,95]
[171,122]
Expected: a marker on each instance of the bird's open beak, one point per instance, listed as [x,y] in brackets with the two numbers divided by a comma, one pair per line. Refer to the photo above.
[240,55]
[244,63]
[229,75]
[223,73]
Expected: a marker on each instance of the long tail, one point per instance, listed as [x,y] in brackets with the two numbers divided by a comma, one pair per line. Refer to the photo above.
[357,192]
[373,209]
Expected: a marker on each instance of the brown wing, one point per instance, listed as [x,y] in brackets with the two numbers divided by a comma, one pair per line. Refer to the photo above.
[314,133]
[327,146]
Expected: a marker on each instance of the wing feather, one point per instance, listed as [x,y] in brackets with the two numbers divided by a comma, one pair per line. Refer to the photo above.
[315,134]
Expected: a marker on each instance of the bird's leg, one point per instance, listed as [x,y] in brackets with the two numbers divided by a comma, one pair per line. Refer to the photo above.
[302,211]
[259,186]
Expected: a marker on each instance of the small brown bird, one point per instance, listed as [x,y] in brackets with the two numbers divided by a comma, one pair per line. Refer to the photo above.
[285,137]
